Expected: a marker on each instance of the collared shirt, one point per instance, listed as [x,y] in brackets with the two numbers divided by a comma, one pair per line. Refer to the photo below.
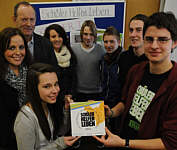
[31,46]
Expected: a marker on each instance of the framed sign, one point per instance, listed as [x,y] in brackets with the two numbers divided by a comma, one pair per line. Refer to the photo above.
[71,15]
[87,118]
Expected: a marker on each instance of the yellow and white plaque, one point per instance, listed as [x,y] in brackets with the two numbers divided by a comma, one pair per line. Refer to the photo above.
[87,118]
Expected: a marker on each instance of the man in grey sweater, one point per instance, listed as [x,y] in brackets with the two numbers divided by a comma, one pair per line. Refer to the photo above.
[89,55]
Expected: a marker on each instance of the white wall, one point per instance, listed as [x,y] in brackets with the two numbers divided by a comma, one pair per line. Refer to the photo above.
[170,5]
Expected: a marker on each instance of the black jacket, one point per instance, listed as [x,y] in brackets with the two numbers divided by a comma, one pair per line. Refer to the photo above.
[110,79]
[126,61]
[43,50]
[67,77]
[8,110]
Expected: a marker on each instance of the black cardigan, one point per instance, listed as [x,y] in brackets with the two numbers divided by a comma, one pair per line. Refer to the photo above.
[8,110]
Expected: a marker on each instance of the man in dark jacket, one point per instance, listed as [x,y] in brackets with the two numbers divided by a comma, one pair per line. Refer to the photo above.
[40,47]
[135,53]
[110,67]
[110,72]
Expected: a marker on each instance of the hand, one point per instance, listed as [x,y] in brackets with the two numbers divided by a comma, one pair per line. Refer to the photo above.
[69,140]
[108,111]
[68,99]
[111,140]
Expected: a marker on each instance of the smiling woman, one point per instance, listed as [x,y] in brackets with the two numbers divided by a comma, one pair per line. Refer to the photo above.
[65,58]
[48,87]
[39,123]
[15,53]
[14,61]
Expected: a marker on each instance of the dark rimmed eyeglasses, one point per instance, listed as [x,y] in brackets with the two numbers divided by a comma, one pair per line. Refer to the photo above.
[160,40]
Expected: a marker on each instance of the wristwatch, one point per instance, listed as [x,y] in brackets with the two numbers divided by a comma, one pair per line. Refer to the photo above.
[127,143]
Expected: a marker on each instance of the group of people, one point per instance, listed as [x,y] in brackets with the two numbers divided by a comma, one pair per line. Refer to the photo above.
[41,76]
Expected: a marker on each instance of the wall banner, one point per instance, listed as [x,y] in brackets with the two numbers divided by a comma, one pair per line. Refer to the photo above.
[71,15]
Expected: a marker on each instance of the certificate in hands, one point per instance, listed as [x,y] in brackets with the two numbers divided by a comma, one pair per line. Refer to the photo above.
[87,118]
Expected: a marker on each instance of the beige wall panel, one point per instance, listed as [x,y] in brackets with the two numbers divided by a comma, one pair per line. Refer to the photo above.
[134,7]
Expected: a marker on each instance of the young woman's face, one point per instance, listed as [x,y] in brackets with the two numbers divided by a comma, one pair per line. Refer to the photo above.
[56,39]
[48,87]
[15,53]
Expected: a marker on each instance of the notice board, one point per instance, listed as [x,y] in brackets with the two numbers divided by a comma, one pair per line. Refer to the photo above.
[71,15]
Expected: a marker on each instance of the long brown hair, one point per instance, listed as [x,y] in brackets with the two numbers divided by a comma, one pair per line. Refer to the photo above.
[56,111]
[5,38]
